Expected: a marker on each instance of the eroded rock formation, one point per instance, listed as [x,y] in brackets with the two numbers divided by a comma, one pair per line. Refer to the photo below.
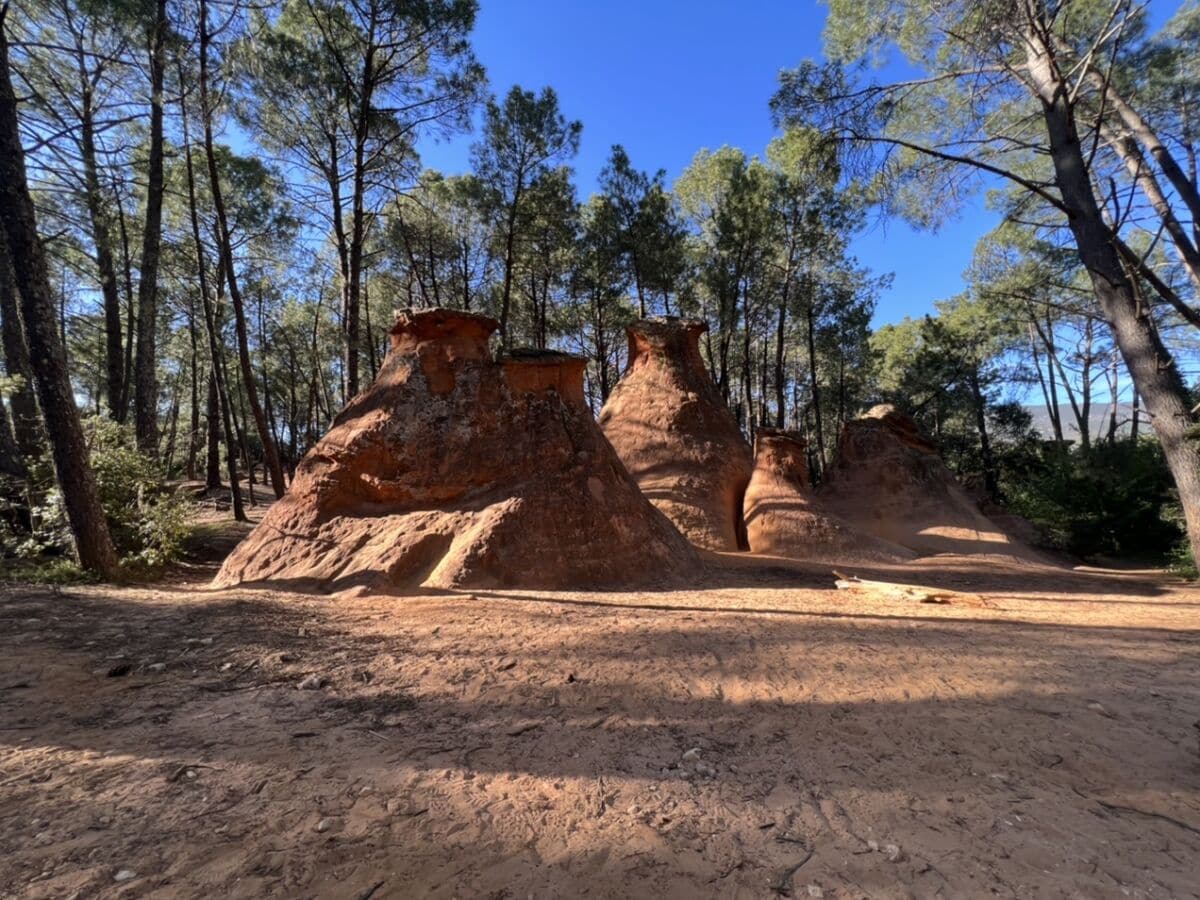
[454,469]
[889,481]
[670,426]
[785,518]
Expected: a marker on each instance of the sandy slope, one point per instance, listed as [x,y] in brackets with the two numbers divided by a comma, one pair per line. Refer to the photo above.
[531,745]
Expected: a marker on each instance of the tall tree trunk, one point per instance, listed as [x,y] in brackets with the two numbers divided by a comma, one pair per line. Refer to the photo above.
[212,469]
[270,453]
[194,429]
[815,386]
[172,429]
[239,429]
[780,336]
[1149,139]
[26,418]
[145,398]
[510,240]
[1154,373]
[47,357]
[114,362]
[130,309]
[217,387]
[358,223]
[991,483]
[12,466]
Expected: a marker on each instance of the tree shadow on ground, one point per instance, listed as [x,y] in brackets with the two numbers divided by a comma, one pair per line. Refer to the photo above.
[478,710]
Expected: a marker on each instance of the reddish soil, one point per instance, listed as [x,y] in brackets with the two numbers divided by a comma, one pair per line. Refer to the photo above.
[524,744]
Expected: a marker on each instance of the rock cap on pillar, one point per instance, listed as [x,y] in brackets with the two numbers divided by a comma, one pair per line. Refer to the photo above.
[454,469]
[671,427]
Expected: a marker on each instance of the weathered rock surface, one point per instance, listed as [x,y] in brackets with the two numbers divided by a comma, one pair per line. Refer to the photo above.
[672,429]
[455,469]
[890,482]
[785,518]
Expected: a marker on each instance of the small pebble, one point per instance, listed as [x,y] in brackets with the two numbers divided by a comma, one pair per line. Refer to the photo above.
[125,875]
[814,890]
[692,754]
[324,825]
[312,683]
[156,667]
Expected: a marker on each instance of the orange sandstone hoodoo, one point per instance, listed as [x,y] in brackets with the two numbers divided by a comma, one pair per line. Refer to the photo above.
[784,518]
[670,426]
[455,469]
[889,481]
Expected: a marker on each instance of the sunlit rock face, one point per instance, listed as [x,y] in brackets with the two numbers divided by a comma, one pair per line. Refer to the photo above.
[889,481]
[457,469]
[785,518]
[670,426]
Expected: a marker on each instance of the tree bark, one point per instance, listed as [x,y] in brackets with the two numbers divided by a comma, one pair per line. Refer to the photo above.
[130,310]
[145,398]
[114,361]
[1153,372]
[217,387]
[991,483]
[270,452]
[47,357]
[815,385]
[510,237]
[212,469]
[194,365]
[26,418]
[780,336]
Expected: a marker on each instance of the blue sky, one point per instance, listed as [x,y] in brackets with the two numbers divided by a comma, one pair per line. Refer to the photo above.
[668,78]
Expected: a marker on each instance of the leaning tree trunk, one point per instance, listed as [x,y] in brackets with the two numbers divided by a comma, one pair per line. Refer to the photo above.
[47,357]
[145,397]
[1155,375]
[218,395]
[270,452]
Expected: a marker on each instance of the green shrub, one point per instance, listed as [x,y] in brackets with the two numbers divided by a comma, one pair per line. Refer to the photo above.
[148,524]
[1112,499]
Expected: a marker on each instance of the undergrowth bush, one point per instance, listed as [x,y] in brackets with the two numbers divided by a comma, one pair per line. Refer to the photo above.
[1109,500]
[148,524]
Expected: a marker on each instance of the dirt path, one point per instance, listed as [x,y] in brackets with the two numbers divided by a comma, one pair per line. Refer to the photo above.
[531,745]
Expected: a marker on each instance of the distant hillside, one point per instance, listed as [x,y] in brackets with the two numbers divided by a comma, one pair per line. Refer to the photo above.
[1098,420]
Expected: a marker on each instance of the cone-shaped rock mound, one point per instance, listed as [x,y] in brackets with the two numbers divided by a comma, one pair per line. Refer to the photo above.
[669,424]
[454,469]
[890,481]
[784,518]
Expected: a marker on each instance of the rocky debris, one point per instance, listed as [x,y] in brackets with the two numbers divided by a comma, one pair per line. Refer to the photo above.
[785,518]
[312,682]
[324,825]
[890,482]
[523,489]
[673,431]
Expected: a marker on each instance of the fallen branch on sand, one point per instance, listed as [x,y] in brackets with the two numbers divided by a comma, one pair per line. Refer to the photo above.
[917,592]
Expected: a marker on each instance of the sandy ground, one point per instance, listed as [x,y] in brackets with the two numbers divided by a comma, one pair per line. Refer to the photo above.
[1035,739]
